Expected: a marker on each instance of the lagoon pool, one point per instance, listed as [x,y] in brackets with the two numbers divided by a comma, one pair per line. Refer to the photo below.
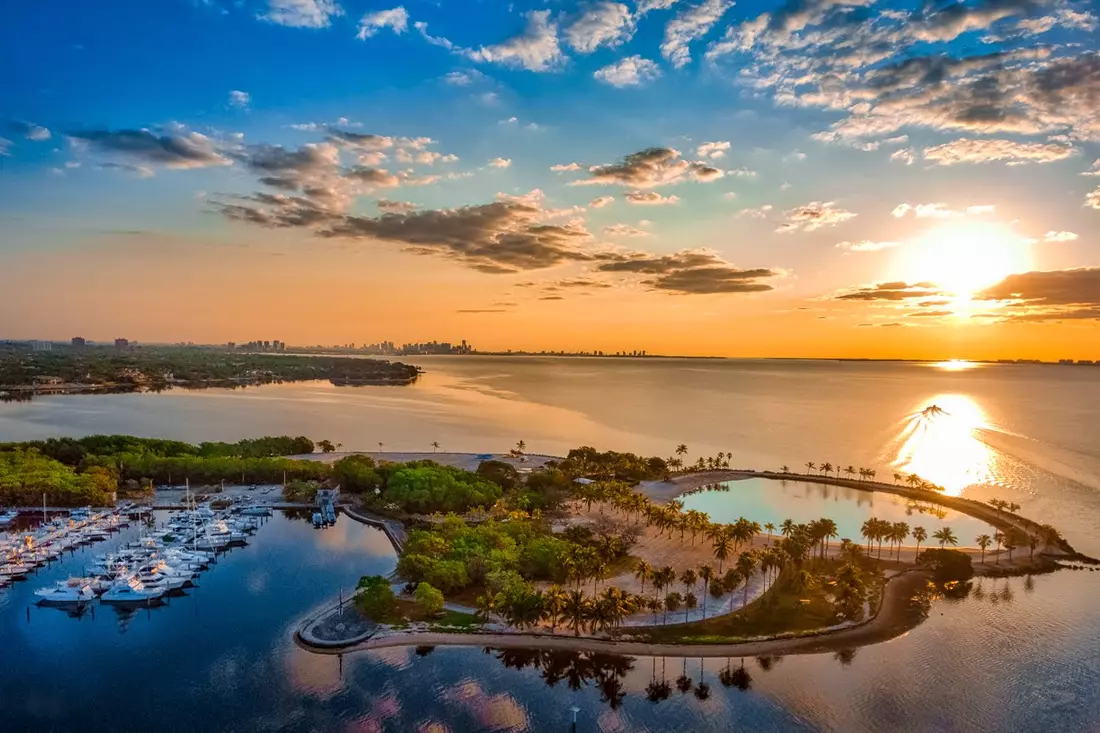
[769,500]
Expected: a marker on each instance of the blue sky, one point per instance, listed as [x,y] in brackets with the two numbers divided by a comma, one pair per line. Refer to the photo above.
[763,159]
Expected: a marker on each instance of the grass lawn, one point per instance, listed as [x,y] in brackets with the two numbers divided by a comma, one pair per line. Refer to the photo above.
[454,619]
[785,608]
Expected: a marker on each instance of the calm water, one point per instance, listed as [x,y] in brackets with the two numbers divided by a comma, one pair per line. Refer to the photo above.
[767,500]
[1025,655]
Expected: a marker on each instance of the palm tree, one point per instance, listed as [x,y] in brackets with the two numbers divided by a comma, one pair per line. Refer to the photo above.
[746,564]
[722,546]
[770,526]
[945,536]
[681,450]
[521,446]
[828,530]
[1032,544]
[810,465]
[826,468]
[706,572]
[897,477]
[690,602]
[689,579]
[435,446]
[850,470]
[380,444]
[643,571]
[920,534]
[869,530]
[553,603]
[914,480]
[786,527]
[984,541]
[900,532]
[672,603]
[575,612]
[784,469]
[998,537]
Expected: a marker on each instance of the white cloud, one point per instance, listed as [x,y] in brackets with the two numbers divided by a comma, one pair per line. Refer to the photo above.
[1095,170]
[759,212]
[604,23]
[302,13]
[1092,200]
[463,78]
[649,198]
[690,25]
[646,6]
[713,149]
[501,163]
[5,147]
[631,71]
[565,167]
[239,99]
[396,19]
[37,133]
[622,230]
[536,49]
[967,150]
[866,246]
[741,173]
[1053,236]
[813,216]
[602,201]
[939,211]
[905,155]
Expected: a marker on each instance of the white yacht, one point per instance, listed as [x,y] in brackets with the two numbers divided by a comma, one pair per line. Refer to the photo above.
[66,592]
[131,590]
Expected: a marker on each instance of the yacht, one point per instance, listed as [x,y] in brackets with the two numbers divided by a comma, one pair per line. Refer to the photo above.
[131,590]
[65,592]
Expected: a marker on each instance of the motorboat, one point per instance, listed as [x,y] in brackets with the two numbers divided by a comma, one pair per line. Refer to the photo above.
[66,592]
[131,590]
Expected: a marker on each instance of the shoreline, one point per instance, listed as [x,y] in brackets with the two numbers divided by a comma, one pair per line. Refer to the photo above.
[889,622]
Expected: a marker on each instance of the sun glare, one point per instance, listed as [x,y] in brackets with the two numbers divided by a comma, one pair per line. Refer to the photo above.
[962,258]
[942,444]
[955,365]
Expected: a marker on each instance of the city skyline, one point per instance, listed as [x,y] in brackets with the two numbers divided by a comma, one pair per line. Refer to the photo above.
[815,178]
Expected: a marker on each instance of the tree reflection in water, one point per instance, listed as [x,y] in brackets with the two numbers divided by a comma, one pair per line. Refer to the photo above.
[577,669]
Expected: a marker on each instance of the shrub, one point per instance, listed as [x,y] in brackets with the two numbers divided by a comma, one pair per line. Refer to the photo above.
[429,598]
[947,565]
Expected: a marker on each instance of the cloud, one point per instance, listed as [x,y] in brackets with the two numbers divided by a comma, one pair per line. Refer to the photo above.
[889,291]
[483,310]
[866,246]
[931,314]
[649,198]
[905,155]
[713,149]
[565,167]
[647,6]
[760,212]
[395,206]
[175,150]
[1092,199]
[1054,236]
[939,211]
[5,147]
[602,201]
[602,23]
[302,13]
[396,19]
[622,230]
[691,24]
[691,272]
[1049,295]
[965,150]
[631,71]
[649,168]
[360,141]
[813,216]
[464,78]
[29,130]
[536,49]
[500,163]
[240,100]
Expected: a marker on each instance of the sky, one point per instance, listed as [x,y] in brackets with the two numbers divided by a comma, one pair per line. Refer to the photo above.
[819,178]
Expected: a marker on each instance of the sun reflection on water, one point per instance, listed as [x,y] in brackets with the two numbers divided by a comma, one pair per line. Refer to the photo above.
[942,444]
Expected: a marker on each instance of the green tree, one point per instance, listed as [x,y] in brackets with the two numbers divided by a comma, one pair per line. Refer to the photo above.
[429,598]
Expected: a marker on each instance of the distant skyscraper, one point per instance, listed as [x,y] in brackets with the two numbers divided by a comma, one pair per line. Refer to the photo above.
[122,344]
[41,346]
[79,342]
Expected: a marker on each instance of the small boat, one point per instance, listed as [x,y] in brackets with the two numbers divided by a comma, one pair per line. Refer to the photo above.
[8,518]
[66,592]
[318,520]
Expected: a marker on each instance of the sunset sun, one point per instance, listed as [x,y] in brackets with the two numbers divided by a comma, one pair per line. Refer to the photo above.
[962,258]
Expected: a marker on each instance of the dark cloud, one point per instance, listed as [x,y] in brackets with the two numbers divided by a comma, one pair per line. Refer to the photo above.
[892,291]
[504,236]
[276,211]
[170,150]
[931,314]
[552,297]
[691,272]
[1079,286]
[376,176]
[395,206]
[359,141]
[649,168]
